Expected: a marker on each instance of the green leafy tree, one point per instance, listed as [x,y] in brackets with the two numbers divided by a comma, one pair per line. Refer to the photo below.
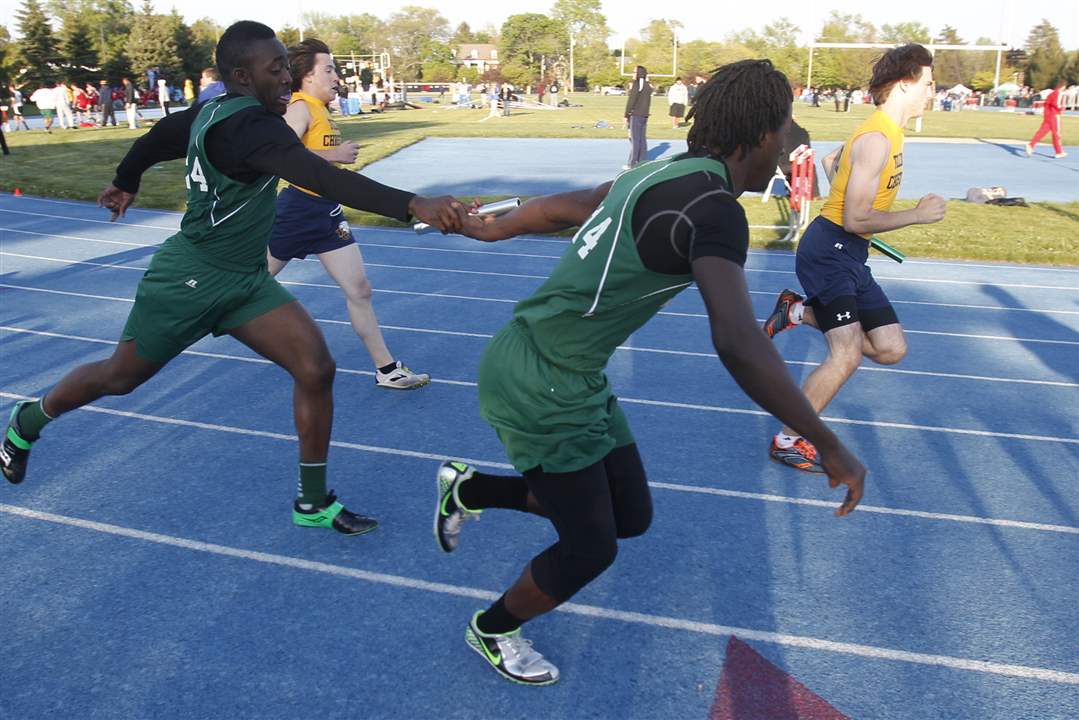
[531,44]
[776,42]
[1047,62]
[193,55]
[7,53]
[108,23]
[587,27]
[906,32]
[844,67]
[79,56]
[152,43]
[206,33]
[413,34]
[655,47]
[37,57]
[288,35]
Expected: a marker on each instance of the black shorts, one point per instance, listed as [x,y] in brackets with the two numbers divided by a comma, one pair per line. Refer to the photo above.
[678,110]
[839,286]
[307,225]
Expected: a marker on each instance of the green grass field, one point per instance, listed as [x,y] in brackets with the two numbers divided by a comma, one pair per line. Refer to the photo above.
[77,164]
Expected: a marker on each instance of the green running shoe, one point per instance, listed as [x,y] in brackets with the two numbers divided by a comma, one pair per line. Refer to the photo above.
[332,514]
[14,451]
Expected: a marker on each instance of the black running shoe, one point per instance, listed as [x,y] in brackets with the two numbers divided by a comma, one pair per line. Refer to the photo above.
[780,319]
[332,514]
[14,451]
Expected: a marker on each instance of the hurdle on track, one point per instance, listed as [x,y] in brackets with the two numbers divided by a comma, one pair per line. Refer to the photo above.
[799,194]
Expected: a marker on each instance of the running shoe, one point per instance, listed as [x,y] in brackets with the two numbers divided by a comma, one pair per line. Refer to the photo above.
[1029,149]
[511,656]
[780,319]
[801,455]
[401,378]
[449,513]
[1061,155]
[332,514]
[14,451]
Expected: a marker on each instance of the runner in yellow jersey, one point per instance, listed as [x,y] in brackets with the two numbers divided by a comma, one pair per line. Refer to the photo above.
[308,224]
[842,298]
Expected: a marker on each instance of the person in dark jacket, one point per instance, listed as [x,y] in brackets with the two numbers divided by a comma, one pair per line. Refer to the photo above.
[638,105]
[131,104]
[104,103]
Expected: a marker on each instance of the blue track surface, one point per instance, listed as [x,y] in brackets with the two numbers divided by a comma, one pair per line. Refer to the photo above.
[495,166]
[150,568]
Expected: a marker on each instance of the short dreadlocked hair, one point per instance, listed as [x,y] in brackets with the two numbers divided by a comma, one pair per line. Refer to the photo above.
[739,105]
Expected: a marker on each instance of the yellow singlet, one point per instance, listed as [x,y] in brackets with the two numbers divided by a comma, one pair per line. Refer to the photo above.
[322,132]
[890,176]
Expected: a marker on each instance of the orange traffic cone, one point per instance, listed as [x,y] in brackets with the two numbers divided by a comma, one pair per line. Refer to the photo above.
[17,193]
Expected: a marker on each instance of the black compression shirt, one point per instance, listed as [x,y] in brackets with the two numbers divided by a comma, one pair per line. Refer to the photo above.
[252,143]
[680,220]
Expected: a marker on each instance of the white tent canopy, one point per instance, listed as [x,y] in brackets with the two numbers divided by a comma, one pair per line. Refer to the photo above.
[1007,87]
[960,89]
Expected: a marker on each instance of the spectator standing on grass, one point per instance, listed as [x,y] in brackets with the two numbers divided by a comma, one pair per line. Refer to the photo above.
[104,101]
[677,100]
[189,92]
[163,98]
[131,104]
[342,98]
[16,107]
[1050,123]
[367,77]
[638,106]
[83,104]
[62,93]
[45,99]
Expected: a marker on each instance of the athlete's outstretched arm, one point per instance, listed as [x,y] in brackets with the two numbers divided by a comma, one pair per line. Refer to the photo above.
[754,363]
[544,214]
[166,140]
[291,161]
[869,155]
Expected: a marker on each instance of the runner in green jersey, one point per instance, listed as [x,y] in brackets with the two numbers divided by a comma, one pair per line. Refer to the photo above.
[211,277]
[643,238]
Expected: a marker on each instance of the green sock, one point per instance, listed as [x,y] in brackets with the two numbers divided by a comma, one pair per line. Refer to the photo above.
[30,420]
[312,486]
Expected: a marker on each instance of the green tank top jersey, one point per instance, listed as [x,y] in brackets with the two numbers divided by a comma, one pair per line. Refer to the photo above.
[600,292]
[227,222]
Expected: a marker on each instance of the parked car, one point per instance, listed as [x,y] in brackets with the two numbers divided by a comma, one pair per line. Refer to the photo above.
[613,90]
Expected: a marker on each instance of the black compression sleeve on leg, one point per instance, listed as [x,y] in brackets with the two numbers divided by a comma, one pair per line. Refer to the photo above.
[579,505]
[630,495]
[484,490]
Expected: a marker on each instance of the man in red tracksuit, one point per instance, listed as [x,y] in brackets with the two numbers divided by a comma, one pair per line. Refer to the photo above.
[1050,123]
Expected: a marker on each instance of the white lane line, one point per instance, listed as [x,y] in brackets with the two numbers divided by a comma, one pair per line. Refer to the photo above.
[893,278]
[768,497]
[216,356]
[676,487]
[626,348]
[424,268]
[852,421]
[763,253]
[593,611]
[475,298]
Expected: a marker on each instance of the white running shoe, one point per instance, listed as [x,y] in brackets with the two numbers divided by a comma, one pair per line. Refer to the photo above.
[511,656]
[1029,149]
[401,378]
[1060,155]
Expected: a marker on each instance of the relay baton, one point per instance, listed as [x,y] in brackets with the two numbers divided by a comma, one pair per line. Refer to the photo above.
[893,253]
[499,207]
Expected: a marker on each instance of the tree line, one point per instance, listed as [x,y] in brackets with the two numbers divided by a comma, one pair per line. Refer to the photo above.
[86,40]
